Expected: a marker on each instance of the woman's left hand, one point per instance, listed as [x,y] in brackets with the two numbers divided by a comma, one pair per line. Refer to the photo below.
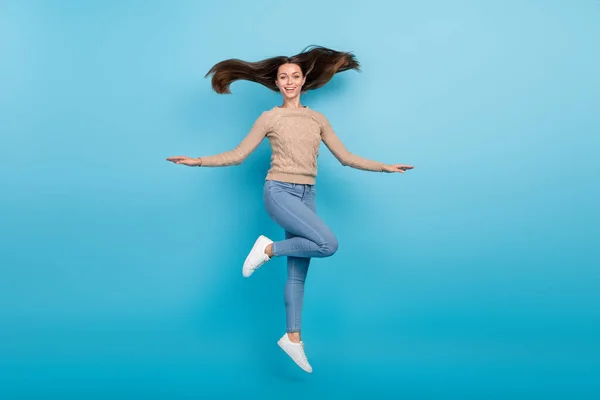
[397,168]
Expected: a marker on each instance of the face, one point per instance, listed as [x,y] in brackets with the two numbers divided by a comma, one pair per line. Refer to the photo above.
[290,80]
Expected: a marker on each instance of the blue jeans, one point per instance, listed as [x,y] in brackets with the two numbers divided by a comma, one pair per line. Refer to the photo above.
[292,206]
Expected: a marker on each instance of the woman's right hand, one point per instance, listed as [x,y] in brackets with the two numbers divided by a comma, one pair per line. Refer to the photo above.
[191,162]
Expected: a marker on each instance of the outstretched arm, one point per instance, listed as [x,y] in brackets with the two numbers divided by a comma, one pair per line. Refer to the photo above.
[346,158]
[242,151]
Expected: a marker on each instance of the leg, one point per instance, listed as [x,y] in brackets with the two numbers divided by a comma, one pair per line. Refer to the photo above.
[294,210]
[292,207]
[297,269]
[312,237]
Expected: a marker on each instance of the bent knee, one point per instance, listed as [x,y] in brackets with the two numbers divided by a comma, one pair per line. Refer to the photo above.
[329,246]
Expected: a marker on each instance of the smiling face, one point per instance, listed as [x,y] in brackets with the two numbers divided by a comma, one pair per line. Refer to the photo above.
[290,80]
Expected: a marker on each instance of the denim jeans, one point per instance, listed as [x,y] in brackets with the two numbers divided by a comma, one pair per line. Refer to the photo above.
[292,206]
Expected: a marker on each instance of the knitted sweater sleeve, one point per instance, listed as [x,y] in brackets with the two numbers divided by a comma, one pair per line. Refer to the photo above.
[243,149]
[339,150]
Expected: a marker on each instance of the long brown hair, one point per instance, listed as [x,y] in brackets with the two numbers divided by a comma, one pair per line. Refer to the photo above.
[317,63]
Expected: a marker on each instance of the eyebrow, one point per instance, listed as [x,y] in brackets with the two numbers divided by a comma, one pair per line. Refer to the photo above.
[283,73]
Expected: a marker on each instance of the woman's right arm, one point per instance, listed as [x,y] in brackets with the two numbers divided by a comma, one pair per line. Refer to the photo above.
[239,154]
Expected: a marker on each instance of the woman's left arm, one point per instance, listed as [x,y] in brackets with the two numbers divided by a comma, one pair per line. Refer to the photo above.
[346,158]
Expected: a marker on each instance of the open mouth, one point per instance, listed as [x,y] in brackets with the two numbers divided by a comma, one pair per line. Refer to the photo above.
[289,89]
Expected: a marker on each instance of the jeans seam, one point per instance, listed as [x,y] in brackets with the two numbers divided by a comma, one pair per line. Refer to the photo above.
[293,284]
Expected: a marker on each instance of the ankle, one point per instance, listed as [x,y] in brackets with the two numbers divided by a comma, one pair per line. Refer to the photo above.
[269,250]
[294,337]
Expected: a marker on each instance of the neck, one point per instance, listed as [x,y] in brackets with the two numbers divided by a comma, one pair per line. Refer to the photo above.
[292,103]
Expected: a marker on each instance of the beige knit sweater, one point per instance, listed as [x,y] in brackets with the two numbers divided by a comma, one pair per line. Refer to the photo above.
[295,135]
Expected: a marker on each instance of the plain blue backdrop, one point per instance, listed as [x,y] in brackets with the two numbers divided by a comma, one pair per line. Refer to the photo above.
[473,276]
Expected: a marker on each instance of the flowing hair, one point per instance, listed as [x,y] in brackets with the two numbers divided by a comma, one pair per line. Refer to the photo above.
[318,65]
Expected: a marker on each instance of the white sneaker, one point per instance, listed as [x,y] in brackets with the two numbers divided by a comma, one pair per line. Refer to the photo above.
[257,256]
[295,351]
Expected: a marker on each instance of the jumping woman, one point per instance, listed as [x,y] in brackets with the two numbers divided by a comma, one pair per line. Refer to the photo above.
[294,132]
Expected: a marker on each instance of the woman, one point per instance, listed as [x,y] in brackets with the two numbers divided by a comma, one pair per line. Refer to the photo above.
[294,132]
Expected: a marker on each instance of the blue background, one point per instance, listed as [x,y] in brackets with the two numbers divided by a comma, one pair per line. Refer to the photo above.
[473,276]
